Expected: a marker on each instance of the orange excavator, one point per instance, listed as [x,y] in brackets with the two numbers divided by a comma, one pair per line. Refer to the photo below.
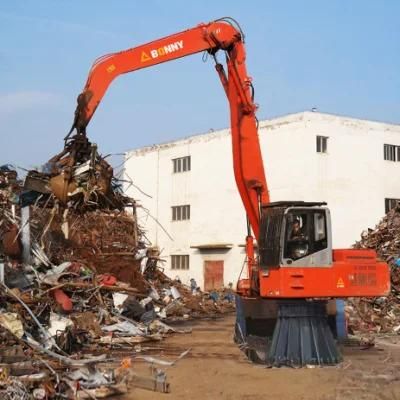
[292,271]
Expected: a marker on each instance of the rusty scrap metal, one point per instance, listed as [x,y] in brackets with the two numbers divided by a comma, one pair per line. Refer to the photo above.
[380,315]
[86,247]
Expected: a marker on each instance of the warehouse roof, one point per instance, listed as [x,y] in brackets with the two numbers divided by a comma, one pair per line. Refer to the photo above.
[273,123]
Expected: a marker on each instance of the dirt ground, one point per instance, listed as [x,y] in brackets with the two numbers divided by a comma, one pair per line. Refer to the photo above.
[216,369]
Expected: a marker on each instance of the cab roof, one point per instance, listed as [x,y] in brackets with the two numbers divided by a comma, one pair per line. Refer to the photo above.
[287,204]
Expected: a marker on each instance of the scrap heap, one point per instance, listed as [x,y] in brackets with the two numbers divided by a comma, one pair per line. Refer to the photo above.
[78,278]
[10,188]
[382,314]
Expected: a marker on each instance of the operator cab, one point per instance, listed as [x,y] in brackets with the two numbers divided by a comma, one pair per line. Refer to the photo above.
[295,234]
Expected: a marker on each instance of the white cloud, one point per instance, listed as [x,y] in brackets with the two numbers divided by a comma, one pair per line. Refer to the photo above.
[15,102]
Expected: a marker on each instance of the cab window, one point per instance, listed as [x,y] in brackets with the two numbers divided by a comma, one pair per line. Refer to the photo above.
[320,237]
[305,233]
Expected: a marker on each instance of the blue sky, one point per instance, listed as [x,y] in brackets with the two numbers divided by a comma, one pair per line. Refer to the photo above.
[340,56]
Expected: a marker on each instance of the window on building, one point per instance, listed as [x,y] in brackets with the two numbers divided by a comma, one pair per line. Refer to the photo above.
[180,213]
[181,164]
[389,152]
[391,203]
[322,144]
[180,261]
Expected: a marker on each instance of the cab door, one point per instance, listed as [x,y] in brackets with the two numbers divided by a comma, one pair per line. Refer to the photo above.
[306,238]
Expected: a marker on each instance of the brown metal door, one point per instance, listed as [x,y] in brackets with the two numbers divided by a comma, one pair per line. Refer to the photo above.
[213,275]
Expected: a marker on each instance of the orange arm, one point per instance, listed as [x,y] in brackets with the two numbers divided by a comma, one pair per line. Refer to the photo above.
[211,37]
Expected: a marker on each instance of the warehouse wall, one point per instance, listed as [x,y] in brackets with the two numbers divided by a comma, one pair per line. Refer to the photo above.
[352,177]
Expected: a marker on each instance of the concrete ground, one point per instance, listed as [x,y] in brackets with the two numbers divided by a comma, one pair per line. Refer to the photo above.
[216,369]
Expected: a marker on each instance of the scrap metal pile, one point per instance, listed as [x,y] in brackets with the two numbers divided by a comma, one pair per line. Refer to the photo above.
[81,289]
[382,314]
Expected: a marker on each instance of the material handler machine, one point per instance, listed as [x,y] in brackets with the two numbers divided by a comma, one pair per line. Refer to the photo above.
[292,270]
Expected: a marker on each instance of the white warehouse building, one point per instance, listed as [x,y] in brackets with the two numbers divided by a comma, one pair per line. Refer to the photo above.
[195,215]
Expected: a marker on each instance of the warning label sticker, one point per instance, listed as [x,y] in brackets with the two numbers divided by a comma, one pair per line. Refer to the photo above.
[340,283]
[144,57]
[111,68]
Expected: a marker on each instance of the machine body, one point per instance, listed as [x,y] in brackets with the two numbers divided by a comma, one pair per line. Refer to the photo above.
[302,263]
